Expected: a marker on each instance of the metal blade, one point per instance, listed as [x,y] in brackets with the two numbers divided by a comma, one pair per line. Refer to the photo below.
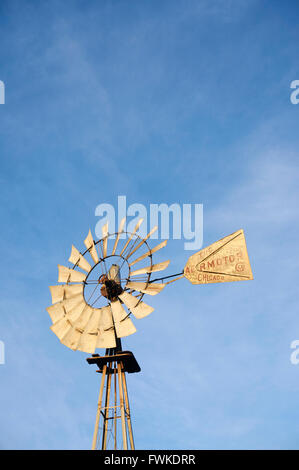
[153,250]
[120,230]
[61,327]
[88,339]
[72,302]
[151,289]
[125,328]
[143,241]
[151,269]
[61,292]
[71,338]
[56,312]
[90,245]
[105,239]
[139,309]
[78,259]
[106,335]
[82,318]
[69,275]
[132,234]
[123,325]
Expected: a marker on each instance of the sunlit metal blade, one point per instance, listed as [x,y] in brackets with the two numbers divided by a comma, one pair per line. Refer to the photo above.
[118,312]
[125,328]
[143,241]
[82,318]
[120,230]
[71,338]
[88,340]
[90,245]
[106,339]
[132,234]
[61,327]
[65,291]
[76,311]
[70,303]
[79,260]
[106,335]
[105,239]
[153,250]
[123,325]
[70,275]
[56,312]
[151,269]
[151,289]
[224,261]
[138,308]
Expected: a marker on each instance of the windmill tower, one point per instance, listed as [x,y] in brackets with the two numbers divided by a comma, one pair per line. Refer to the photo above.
[98,295]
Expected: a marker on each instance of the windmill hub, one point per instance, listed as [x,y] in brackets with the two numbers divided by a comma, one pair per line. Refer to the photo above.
[110,288]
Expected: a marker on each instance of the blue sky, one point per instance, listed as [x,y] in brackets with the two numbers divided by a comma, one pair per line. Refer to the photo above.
[174,102]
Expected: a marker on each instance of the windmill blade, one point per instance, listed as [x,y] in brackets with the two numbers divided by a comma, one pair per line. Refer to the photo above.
[150,252]
[106,335]
[123,325]
[105,239]
[88,339]
[61,292]
[151,269]
[131,236]
[71,338]
[88,330]
[138,308]
[64,327]
[78,259]
[72,302]
[151,289]
[125,328]
[69,275]
[120,230]
[118,312]
[90,245]
[74,314]
[68,311]
[106,339]
[60,309]
[143,241]
[224,261]
[56,312]
[61,327]
[80,320]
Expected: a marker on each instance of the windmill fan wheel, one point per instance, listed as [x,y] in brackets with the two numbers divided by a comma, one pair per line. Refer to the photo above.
[96,298]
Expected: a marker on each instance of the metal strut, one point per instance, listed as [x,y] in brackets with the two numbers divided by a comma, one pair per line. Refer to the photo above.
[178,276]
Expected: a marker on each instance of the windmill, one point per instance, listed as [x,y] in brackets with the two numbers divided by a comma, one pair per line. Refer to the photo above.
[97,297]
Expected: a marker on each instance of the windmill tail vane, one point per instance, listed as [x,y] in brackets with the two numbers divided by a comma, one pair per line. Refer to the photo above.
[95,300]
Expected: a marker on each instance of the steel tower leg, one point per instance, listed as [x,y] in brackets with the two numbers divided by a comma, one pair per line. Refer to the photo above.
[113,426]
